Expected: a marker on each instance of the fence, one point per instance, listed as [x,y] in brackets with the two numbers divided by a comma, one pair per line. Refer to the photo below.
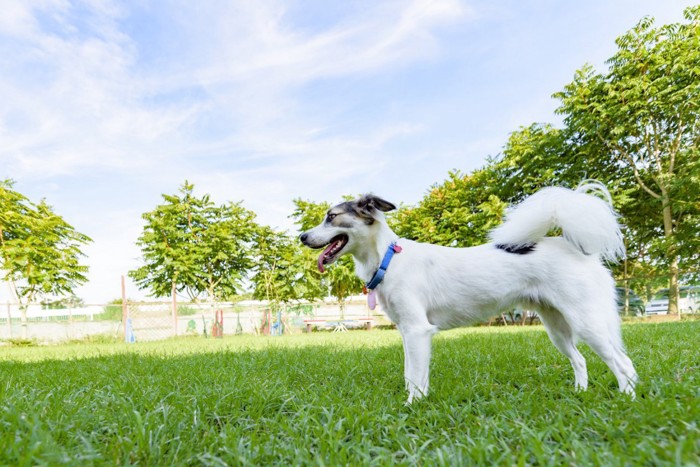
[51,325]
[149,321]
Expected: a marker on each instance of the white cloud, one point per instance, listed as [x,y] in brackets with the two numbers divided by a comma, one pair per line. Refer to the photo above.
[80,106]
[92,106]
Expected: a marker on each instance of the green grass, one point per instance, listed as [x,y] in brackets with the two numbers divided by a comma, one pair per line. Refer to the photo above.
[501,396]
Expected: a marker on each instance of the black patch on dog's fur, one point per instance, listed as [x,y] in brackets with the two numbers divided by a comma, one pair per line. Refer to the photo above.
[364,207]
[517,249]
[351,208]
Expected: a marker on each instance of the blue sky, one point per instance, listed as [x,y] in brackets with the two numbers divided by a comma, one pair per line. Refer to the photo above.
[107,105]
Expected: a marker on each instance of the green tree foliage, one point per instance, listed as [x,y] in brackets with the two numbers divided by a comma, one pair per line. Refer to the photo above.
[282,272]
[340,278]
[458,212]
[40,252]
[641,116]
[195,246]
[308,214]
[538,156]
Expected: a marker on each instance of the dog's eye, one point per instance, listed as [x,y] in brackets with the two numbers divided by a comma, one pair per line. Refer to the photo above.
[331,217]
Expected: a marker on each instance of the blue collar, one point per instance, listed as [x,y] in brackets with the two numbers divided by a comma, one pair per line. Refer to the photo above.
[378,276]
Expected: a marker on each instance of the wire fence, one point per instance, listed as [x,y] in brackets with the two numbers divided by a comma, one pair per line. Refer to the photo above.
[151,321]
[638,296]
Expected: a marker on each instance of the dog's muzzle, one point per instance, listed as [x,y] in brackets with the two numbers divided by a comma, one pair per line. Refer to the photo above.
[332,250]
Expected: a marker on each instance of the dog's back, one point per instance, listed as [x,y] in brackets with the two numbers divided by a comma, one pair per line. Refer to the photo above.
[461,286]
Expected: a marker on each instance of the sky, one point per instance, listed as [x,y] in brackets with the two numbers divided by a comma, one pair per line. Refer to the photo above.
[107,105]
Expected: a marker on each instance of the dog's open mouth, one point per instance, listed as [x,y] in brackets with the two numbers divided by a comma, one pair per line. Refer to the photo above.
[332,251]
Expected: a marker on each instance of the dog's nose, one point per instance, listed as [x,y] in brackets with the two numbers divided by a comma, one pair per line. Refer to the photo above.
[303,237]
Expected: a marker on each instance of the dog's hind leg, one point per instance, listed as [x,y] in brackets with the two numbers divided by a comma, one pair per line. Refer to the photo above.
[597,323]
[621,365]
[562,336]
[417,343]
[606,341]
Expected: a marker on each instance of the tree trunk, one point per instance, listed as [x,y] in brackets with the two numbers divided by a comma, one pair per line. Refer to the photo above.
[673,288]
[672,256]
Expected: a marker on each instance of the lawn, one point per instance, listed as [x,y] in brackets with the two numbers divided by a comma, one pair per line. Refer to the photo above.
[498,395]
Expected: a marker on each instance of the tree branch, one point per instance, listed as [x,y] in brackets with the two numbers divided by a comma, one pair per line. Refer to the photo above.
[630,160]
[676,144]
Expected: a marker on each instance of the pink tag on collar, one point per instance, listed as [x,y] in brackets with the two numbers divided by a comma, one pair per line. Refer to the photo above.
[372,299]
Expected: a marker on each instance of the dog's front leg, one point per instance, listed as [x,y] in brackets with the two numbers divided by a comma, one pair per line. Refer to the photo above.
[417,342]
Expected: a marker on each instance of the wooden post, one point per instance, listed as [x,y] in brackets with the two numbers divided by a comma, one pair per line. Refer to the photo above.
[125,309]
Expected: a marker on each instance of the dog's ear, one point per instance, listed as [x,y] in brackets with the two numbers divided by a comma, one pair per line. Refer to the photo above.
[368,203]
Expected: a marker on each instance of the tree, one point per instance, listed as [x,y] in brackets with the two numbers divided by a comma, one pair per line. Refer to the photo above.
[191,245]
[541,155]
[226,253]
[340,280]
[459,212]
[40,252]
[279,275]
[642,115]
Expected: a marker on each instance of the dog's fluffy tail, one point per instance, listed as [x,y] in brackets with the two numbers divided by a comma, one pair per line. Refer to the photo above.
[586,221]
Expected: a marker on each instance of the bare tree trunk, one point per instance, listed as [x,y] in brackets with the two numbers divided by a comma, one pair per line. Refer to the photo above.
[673,287]
[673,290]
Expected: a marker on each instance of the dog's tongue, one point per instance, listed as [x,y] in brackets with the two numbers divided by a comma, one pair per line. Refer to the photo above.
[324,255]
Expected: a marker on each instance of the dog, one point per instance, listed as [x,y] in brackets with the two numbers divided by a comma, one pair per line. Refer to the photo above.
[425,288]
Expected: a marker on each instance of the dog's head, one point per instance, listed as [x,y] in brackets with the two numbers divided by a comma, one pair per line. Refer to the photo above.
[346,226]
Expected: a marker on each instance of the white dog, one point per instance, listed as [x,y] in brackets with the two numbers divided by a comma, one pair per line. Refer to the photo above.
[424,288]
